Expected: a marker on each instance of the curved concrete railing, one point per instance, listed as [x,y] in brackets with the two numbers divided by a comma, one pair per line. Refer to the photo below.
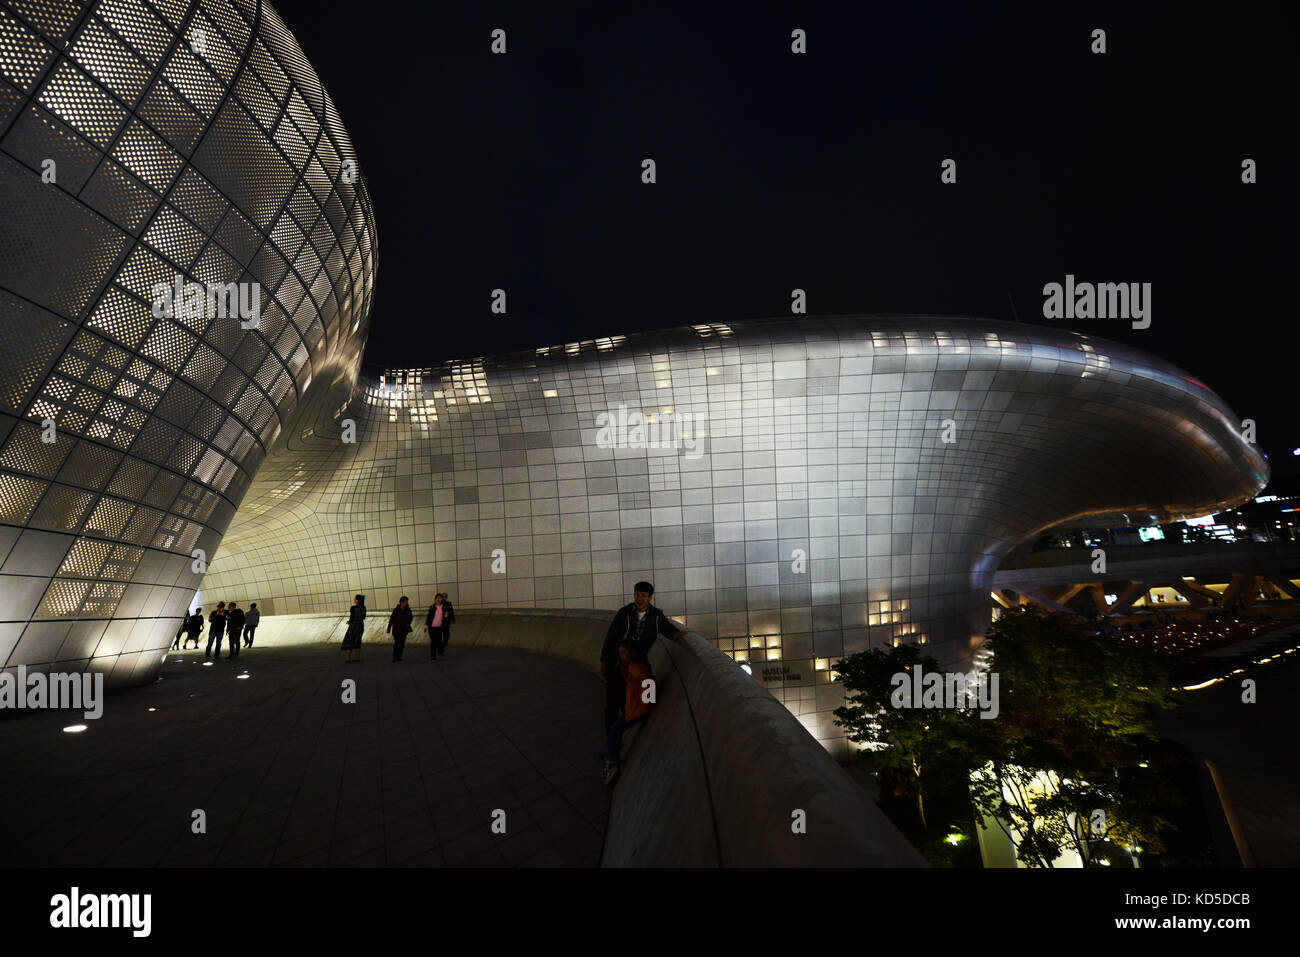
[719,774]
[716,778]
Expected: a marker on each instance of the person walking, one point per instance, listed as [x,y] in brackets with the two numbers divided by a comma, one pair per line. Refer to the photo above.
[193,628]
[399,626]
[637,701]
[234,627]
[216,628]
[356,625]
[176,645]
[437,624]
[448,619]
[250,624]
[639,622]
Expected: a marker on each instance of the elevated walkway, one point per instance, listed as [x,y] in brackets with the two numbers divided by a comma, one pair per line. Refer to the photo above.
[721,776]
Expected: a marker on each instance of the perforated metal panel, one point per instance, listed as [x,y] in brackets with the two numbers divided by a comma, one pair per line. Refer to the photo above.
[812,434]
[178,130]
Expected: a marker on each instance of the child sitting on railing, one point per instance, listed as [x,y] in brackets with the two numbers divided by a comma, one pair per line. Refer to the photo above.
[638,701]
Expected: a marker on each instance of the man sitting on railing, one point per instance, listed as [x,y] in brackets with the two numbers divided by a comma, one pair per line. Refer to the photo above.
[639,622]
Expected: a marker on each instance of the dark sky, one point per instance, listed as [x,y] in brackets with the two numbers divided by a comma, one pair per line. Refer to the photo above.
[821,171]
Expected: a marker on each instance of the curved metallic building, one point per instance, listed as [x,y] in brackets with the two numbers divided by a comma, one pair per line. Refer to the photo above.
[825,484]
[145,143]
[798,488]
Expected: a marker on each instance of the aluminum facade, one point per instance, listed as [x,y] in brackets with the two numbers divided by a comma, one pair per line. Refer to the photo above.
[141,141]
[902,455]
[847,482]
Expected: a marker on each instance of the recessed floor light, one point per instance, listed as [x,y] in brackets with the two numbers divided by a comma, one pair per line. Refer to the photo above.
[74,728]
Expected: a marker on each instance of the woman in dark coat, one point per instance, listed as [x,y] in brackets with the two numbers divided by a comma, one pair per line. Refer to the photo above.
[356,619]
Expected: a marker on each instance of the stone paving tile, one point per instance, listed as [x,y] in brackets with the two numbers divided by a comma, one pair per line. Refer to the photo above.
[288,775]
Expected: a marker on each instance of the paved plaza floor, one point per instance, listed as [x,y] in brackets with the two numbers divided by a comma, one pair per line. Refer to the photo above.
[286,773]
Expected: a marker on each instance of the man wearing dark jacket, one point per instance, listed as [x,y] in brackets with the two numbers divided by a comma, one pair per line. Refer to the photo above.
[399,626]
[640,622]
[216,628]
[234,627]
[250,623]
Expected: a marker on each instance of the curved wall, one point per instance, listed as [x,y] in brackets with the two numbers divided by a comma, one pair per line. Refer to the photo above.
[142,142]
[826,507]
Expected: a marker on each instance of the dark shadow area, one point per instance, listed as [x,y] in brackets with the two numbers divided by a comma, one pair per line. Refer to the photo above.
[288,774]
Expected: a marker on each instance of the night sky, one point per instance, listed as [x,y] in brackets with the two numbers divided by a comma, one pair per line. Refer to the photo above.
[822,171]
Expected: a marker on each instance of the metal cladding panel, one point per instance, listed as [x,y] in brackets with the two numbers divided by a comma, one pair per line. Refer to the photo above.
[785,484]
[141,151]
[53,250]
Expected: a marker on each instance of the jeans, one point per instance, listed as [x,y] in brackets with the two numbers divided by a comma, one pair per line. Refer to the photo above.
[614,743]
[615,694]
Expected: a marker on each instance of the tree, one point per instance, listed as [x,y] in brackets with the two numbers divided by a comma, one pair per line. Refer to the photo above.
[915,737]
[1075,710]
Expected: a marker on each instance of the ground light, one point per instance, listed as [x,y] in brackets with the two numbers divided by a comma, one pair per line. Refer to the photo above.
[75,728]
